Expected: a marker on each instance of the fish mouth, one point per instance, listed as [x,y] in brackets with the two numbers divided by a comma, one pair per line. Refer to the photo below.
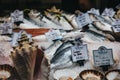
[91,75]
[113,74]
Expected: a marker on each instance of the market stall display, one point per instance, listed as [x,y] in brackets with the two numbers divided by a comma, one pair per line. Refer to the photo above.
[55,45]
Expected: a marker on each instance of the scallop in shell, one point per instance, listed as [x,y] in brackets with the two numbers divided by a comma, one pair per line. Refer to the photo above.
[91,75]
[7,72]
[113,74]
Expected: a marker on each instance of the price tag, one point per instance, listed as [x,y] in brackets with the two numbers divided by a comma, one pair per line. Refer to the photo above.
[94,11]
[103,56]
[83,20]
[116,26]
[53,35]
[6,28]
[17,16]
[79,52]
[118,6]
[108,12]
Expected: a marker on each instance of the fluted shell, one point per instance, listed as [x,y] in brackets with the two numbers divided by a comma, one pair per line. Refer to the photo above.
[24,57]
[91,75]
[24,61]
[7,72]
[113,74]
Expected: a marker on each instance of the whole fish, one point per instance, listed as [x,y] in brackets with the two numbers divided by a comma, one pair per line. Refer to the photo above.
[88,65]
[59,19]
[100,23]
[62,56]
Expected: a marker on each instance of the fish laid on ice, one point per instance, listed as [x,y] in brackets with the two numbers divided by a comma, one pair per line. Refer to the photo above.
[100,24]
[88,65]
[62,56]
[57,16]
[41,20]
[58,19]
[28,25]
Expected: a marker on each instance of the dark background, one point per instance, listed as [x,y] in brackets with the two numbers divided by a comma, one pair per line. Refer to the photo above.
[67,5]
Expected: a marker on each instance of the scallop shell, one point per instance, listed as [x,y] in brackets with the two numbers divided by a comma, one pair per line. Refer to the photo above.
[113,74]
[7,72]
[91,75]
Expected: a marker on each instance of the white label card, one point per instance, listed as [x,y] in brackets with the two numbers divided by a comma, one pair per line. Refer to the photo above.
[118,6]
[53,35]
[103,56]
[83,20]
[108,12]
[116,26]
[6,28]
[17,16]
[94,11]
[79,52]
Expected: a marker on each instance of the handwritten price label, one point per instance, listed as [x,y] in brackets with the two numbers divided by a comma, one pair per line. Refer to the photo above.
[79,53]
[103,56]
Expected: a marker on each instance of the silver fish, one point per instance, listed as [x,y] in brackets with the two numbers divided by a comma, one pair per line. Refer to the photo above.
[100,23]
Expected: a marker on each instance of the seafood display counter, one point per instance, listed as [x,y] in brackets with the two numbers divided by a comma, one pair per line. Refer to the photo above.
[55,45]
